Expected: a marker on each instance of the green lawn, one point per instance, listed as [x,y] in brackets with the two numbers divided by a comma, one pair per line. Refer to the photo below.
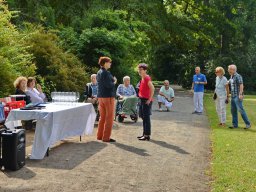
[234,150]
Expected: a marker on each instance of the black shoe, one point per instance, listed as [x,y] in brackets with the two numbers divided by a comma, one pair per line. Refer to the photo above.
[232,127]
[140,136]
[194,112]
[110,140]
[144,138]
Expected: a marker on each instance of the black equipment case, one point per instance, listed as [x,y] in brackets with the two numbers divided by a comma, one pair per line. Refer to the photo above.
[12,148]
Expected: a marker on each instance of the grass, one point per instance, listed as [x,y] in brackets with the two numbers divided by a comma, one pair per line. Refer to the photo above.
[234,150]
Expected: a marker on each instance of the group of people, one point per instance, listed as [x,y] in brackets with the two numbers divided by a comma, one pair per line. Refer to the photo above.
[223,88]
[31,91]
[101,91]
[32,94]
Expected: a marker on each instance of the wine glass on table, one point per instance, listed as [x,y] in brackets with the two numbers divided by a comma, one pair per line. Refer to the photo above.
[77,96]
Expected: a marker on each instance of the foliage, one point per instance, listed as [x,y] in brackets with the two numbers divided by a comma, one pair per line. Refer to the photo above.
[14,57]
[113,34]
[60,42]
[172,36]
[53,64]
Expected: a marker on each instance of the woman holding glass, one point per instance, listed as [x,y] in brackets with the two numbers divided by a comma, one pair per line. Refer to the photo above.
[222,92]
[36,95]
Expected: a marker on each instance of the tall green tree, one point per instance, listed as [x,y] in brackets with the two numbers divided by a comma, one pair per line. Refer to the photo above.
[15,60]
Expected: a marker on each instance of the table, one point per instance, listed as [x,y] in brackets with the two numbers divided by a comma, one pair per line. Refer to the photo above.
[54,123]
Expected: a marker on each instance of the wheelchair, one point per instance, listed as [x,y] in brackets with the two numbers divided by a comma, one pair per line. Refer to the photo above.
[126,108]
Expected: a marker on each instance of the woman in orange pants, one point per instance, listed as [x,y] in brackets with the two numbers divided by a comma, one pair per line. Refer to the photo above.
[106,97]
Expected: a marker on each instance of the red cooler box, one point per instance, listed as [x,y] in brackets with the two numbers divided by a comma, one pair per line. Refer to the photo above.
[13,105]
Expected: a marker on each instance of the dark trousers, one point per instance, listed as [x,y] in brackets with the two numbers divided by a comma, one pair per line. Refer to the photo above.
[145,112]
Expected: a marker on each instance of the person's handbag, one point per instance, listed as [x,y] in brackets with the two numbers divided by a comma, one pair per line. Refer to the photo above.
[214,96]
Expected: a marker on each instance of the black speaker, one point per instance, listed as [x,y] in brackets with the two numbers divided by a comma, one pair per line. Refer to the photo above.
[13,149]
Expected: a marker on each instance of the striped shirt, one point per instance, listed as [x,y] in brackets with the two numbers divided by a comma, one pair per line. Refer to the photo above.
[235,81]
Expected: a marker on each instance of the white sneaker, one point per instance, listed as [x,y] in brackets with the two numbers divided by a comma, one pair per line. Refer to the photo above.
[160,109]
[248,126]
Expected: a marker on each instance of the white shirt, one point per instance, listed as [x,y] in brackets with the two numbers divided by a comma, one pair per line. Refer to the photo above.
[35,96]
[220,86]
[169,92]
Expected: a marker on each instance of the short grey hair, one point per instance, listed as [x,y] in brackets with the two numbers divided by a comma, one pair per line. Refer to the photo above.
[232,67]
[166,81]
[126,78]
[93,75]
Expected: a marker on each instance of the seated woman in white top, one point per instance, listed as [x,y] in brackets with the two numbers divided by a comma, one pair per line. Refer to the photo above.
[36,95]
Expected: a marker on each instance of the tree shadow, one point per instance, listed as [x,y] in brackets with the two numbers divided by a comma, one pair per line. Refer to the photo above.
[170,146]
[68,155]
[135,150]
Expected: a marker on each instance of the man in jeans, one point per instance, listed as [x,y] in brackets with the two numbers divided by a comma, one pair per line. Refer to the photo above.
[237,95]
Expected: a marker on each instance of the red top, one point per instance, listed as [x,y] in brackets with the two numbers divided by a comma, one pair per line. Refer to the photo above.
[144,91]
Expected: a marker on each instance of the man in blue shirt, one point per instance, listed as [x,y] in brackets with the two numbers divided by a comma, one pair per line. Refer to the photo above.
[199,80]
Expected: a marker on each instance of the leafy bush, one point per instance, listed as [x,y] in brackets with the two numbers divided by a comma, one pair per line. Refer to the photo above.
[15,60]
[53,64]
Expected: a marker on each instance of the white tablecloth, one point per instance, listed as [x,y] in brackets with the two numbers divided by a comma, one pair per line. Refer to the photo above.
[54,123]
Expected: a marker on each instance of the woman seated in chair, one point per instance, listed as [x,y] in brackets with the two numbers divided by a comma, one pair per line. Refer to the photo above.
[126,89]
[126,96]
[36,94]
[21,87]
[91,90]
[90,93]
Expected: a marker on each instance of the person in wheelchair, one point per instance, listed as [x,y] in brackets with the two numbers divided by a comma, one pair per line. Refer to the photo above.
[90,93]
[126,100]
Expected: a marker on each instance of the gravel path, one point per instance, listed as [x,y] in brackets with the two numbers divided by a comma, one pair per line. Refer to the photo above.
[175,159]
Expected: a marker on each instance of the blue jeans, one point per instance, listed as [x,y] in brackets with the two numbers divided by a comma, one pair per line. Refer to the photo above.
[237,105]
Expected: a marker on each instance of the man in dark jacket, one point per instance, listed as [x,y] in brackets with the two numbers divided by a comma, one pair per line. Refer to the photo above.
[91,90]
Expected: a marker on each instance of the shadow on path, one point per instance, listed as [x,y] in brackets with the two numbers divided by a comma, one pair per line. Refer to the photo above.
[60,159]
[170,146]
[23,173]
[132,149]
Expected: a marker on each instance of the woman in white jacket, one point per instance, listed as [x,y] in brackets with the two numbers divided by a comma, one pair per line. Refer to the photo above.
[222,92]
[36,95]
